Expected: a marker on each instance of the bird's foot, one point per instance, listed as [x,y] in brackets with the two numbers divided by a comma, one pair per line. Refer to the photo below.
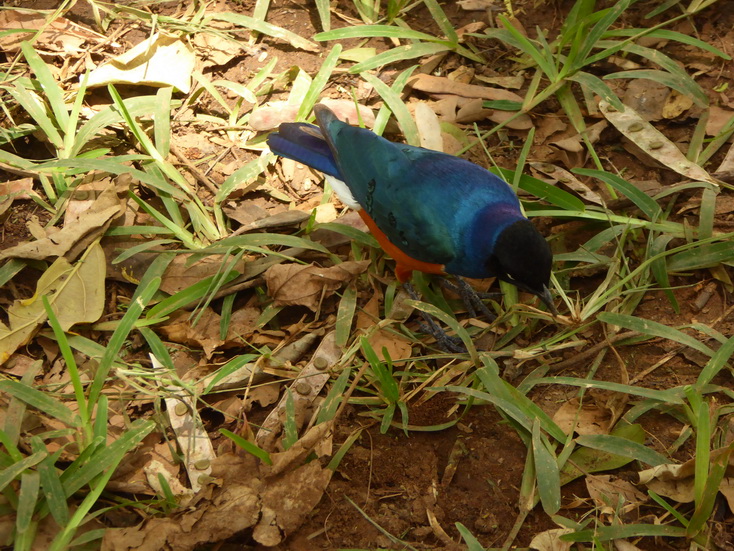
[471,298]
[431,327]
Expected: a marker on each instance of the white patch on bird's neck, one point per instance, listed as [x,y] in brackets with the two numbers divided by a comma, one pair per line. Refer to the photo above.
[343,192]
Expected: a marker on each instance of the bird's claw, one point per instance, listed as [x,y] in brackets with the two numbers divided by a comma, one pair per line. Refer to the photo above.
[445,342]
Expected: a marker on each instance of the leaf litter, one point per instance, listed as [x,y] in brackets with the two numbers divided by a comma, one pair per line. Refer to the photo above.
[271,502]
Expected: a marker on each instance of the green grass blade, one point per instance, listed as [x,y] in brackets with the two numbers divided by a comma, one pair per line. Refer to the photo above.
[248,446]
[162,120]
[672,396]
[397,88]
[10,473]
[183,298]
[264,28]
[442,20]
[51,89]
[542,190]
[472,544]
[322,6]
[622,447]
[592,37]
[645,203]
[548,477]
[105,457]
[136,106]
[30,483]
[118,339]
[334,398]
[290,428]
[597,86]
[618,532]
[702,256]
[655,329]
[544,60]
[345,316]
[319,82]
[53,490]
[29,101]
[401,53]
[717,362]
[136,249]
[694,91]
[659,268]
[41,401]
[369,31]
[396,105]
[669,35]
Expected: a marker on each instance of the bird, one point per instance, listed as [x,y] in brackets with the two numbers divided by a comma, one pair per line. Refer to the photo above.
[430,211]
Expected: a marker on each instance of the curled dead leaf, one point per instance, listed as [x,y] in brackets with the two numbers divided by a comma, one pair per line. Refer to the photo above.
[74,291]
[76,236]
[294,284]
[653,142]
[157,61]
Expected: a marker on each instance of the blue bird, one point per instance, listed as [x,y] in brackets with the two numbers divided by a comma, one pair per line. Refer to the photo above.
[430,211]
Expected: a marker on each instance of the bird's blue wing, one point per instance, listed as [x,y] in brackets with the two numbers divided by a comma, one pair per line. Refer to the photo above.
[425,202]
[304,143]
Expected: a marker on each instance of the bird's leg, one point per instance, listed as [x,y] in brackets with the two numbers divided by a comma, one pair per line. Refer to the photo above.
[446,343]
[471,298]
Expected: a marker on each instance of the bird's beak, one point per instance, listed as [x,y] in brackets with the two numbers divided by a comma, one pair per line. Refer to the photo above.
[547,299]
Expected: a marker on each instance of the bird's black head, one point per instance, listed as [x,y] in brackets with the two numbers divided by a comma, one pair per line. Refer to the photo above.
[521,256]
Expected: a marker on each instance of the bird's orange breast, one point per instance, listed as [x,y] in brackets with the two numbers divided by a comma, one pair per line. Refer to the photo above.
[404,263]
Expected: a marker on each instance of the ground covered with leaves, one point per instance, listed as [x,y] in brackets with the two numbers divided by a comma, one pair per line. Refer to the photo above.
[202,348]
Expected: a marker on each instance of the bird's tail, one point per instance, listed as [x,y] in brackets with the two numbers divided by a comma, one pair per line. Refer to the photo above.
[305,144]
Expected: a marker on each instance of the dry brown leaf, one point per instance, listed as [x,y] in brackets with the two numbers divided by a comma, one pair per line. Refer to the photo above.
[157,61]
[287,503]
[304,390]
[182,273]
[676,481]
[676,104]
[624,545]
[462,74]
[74,237]
[205,333]
[476,5]
[249,495]
[646,97]
[346,111]
[429,127]
[83,197]
[294,284]
[718,119]
[547,126]
[550,540]
[606,491]
[398,347]
[74,291]
[569,180]
[653,142]
[59,35]
[14,189]
[514,82]
[442,85]
[473,111]
[273,114]
[216,49]
[590,419]
[522,122]
[575,143]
